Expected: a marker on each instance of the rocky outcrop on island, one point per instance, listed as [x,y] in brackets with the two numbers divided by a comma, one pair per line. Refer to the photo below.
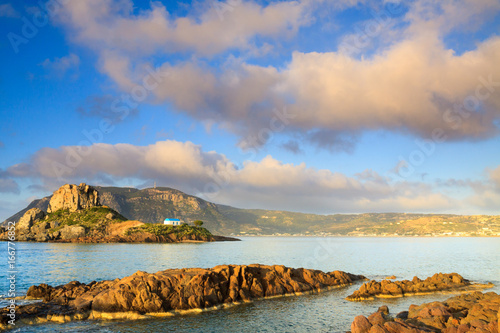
[76,215]
[31,217]
[173,290]
[41,204]
[64,226]
[473,312]
[436,283]
[30,226]
[74,198]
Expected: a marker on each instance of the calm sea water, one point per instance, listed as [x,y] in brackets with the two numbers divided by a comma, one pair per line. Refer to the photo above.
[477,259]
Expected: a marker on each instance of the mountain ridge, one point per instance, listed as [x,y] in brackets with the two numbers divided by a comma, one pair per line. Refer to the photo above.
[153,205]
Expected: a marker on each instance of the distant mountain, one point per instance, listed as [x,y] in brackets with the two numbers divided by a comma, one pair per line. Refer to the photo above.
[153,205]
[42,204]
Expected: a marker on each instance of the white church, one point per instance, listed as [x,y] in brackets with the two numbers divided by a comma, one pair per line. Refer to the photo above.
[173,222]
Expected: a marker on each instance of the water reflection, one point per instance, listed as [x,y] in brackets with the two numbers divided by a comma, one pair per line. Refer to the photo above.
[475,258]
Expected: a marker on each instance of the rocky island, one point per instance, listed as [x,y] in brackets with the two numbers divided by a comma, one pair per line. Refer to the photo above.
[473,312]
[143,294]
[437,283]
[75,214]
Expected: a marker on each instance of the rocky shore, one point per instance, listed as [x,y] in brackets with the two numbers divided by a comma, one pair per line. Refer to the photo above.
[144,294]
[437,283]
[473,312]
[148,238]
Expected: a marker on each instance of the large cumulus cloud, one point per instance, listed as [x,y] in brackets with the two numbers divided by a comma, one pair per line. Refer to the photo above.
[412,84]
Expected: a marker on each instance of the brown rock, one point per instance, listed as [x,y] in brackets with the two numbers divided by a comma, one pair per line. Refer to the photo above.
[378,329]
[393,289]
[398,327]
[360,325]
[463,328]
[28,219]
[183,289]
[473,312]
[388,288]
[74,198]
[376,318]
[402,315]
[40,228]
[384,309]
[72,232]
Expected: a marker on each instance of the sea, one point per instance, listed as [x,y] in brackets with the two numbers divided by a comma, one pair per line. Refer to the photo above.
[476,259]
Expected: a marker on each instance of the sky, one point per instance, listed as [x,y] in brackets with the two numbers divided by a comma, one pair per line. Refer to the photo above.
[310,105]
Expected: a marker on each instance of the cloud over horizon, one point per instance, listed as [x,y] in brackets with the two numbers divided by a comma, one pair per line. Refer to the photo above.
[268,183]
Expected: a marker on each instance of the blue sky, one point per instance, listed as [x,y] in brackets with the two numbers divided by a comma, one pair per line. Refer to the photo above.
[311,105]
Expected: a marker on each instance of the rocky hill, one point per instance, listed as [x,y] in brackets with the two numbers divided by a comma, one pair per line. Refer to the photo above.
[153,205]
[75,214]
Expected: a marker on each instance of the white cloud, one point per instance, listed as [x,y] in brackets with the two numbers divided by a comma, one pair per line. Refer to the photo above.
[449,15]
[268,183]
[60,66]
[111,25]
[407,88]
[494,176]
[412,86]
[6,10]
[8,185]
[483,194]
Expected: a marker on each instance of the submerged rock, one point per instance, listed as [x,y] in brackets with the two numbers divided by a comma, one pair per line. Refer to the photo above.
[474,312]
[177,289]
[437,282]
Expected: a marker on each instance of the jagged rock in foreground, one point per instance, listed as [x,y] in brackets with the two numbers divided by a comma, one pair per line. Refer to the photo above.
[474,312]
[173,289]
[437,282]
[74,198]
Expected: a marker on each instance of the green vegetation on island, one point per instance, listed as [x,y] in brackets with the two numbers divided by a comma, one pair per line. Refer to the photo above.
[165,230]
[91,218]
